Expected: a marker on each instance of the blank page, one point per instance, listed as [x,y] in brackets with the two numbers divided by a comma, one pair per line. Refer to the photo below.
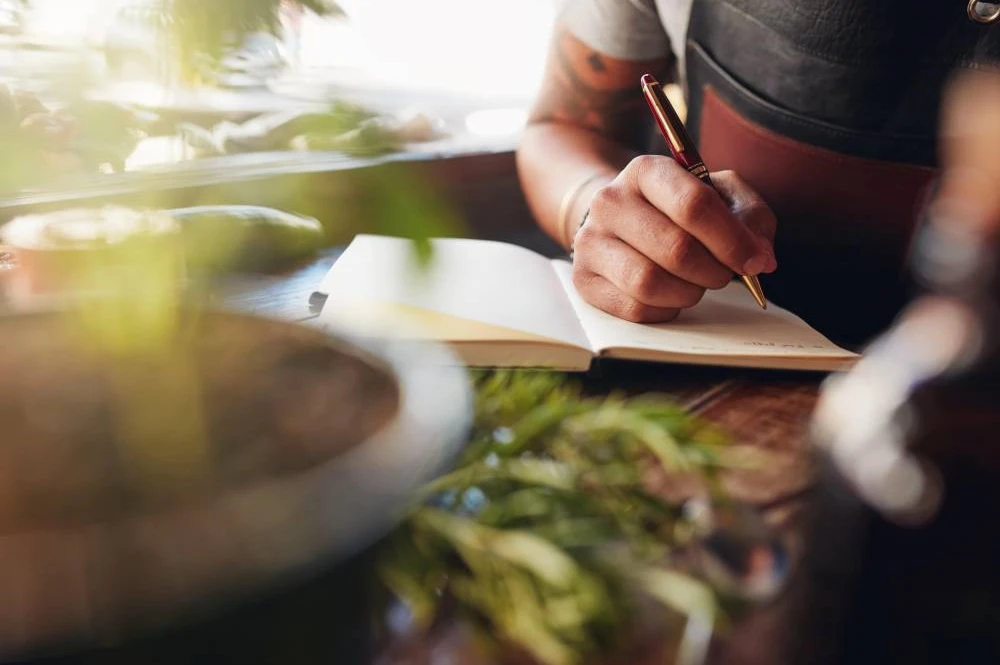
[478,282]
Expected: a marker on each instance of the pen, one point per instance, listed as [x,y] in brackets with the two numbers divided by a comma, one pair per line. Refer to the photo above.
[686,154]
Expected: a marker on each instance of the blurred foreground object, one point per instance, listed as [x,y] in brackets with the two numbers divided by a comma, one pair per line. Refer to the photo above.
[89,252]
[218,239]
[177,482]
[903,550]
[556,537]
[61,253]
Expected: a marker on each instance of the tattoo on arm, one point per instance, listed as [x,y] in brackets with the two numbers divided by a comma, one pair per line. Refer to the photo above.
[585,88]
[596,63]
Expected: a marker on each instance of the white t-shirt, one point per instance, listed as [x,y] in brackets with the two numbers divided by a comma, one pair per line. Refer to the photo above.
[630,29]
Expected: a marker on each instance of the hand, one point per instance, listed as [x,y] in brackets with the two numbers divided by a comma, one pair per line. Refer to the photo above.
[657,237]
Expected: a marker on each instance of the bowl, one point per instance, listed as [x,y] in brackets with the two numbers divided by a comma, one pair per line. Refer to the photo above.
[131,528]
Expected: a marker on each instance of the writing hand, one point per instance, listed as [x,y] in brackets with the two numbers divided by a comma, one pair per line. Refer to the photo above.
[657,238]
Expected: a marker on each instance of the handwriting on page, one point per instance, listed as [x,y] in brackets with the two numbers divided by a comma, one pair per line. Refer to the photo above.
[726,322]
[776,345]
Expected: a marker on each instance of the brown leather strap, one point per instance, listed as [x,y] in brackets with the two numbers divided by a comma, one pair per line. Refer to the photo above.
[844,223]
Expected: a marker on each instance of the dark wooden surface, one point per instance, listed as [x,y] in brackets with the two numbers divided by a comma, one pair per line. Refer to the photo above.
[760,410]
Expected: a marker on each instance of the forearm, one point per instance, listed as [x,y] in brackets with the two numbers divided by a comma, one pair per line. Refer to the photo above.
[560,167]
[588,113]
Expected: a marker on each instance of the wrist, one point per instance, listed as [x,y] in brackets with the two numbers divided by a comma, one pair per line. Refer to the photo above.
[572,240]
[576,205]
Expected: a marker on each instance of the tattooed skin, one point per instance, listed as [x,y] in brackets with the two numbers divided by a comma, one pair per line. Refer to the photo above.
[590,90]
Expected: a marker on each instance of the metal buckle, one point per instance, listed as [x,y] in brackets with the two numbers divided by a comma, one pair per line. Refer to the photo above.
[984,12]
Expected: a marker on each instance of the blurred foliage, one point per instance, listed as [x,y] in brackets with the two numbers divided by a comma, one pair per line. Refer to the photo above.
[202,30]
[546,535]
[219,239]
[401,203]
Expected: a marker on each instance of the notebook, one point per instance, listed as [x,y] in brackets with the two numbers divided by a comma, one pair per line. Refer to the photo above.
[500,305]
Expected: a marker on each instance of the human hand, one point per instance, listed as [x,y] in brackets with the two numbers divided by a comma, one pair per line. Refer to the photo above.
[657,238]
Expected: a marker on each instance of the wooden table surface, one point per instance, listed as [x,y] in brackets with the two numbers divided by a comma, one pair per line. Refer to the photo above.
[764,409]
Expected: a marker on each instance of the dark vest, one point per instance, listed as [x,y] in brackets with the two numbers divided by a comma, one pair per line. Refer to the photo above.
[830,109]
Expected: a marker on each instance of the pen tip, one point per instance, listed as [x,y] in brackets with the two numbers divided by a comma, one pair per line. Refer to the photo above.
[753,285]
[647,79]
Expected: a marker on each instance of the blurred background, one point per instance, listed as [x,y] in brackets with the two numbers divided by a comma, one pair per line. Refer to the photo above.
[450,58]
[442,86]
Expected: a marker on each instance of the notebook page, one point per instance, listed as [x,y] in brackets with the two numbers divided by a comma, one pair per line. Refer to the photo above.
[479,282]
[726,322]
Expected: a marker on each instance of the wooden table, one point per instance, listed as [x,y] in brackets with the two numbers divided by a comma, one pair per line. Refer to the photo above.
[764,409]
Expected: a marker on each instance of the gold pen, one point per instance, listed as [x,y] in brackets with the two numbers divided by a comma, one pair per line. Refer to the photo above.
[686,154]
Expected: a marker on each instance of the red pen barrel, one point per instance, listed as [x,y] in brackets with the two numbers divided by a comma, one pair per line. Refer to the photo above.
[684,152]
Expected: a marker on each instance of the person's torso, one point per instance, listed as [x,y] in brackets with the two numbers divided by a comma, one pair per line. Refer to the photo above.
[829,108]
[862,77]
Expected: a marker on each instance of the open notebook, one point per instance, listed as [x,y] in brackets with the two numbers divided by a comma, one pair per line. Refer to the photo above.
[499,305]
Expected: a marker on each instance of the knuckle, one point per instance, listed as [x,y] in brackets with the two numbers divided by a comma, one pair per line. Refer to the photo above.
[606,199]
[582,278]
[680,250]
[696,201]
[644,163]
[635,311]
[730,176]
[644,281]
[689,297]
[585,235]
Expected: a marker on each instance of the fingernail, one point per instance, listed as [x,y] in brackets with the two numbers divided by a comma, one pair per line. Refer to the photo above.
[767,251]
[757,264]
[772,263]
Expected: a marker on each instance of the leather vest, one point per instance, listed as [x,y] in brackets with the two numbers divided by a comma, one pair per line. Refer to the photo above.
[829,108]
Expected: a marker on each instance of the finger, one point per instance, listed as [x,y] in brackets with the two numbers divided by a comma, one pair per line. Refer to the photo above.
[698,209]
[655,236]
[637,277]
[602,294]
[746,204]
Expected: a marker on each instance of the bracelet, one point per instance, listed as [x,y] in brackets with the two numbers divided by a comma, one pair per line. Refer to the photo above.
[567,202]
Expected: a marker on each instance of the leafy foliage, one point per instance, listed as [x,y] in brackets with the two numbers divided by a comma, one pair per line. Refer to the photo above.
[545,534]
[203,30]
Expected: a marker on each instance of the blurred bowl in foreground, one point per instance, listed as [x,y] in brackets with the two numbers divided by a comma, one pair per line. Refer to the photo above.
[208,502]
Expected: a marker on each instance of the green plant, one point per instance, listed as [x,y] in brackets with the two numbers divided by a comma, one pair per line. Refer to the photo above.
[204,29]
[547,534]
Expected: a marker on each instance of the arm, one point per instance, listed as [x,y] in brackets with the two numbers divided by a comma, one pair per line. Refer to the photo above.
[589,121]
[656,237]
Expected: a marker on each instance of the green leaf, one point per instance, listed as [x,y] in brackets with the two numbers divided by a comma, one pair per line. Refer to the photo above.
[563,534]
